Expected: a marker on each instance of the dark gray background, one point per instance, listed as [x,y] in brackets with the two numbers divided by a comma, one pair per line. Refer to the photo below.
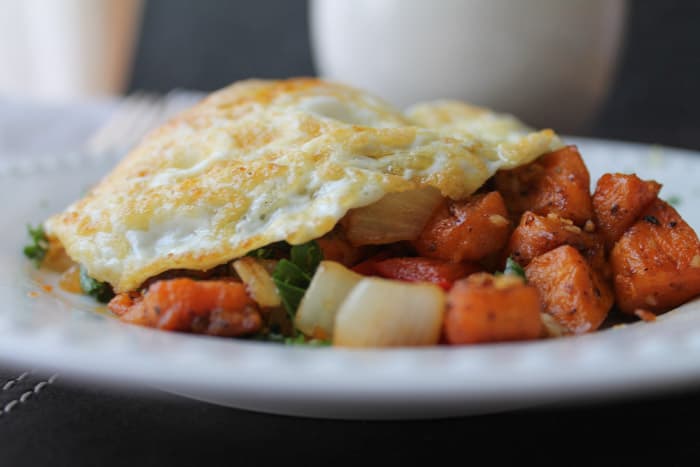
[206,44]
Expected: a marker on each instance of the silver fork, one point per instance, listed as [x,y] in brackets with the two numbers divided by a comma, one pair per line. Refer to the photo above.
[134,117]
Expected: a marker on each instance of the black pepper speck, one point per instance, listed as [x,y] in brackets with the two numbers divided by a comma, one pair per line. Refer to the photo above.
[652,220]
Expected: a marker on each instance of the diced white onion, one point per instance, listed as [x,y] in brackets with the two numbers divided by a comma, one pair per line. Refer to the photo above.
[329,287]
[395,217]
[268,264]
[551,326]
[388,313]
[258,281]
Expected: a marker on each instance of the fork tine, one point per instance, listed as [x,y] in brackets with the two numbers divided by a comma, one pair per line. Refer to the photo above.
[134,116]
[114,128]
[145,120]
[178,100]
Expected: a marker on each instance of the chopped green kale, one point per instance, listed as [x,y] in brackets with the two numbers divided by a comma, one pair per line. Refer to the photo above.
[292,276]
[514,269]
[272,251]
[299,339]
[102,291]
[674,200]
[39,245]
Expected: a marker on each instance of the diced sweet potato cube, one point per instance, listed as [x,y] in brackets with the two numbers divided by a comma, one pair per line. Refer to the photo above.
[123,302]
[467,230]
[536,235]
[219,308]
[618,201]
[557,182]
[484,308]
[336,247]
[572,292]
[656,263]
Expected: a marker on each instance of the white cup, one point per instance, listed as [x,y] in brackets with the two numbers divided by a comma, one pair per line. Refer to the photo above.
[550,62]
[66,49]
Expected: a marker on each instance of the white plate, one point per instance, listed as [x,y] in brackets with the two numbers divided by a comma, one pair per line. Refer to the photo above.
[63,332]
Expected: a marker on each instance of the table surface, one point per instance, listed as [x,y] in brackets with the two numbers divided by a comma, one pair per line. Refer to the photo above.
[48,420]
[68,423]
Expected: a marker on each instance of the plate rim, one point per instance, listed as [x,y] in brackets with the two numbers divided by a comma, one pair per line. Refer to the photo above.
[452,387]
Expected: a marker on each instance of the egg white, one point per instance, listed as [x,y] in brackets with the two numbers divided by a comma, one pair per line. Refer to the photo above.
[264,161]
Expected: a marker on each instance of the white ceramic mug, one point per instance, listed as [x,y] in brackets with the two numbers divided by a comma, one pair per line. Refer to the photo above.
[66,49]
[550,62]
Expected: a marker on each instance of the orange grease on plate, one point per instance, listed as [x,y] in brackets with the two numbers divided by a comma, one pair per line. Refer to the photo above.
[70,280]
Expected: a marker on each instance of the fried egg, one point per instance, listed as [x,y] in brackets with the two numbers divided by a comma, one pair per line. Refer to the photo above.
[265,161]
[476,122]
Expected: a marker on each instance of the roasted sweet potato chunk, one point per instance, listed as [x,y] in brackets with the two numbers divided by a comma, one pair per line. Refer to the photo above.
[220,308]
[618,201]
[536,235]
[572,292]
[557,183]
[484,308]
[656,263]
[466,231]
[336,247]
[122,303]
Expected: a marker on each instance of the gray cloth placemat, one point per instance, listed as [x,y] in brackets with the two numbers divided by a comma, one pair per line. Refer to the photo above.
[71,423]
